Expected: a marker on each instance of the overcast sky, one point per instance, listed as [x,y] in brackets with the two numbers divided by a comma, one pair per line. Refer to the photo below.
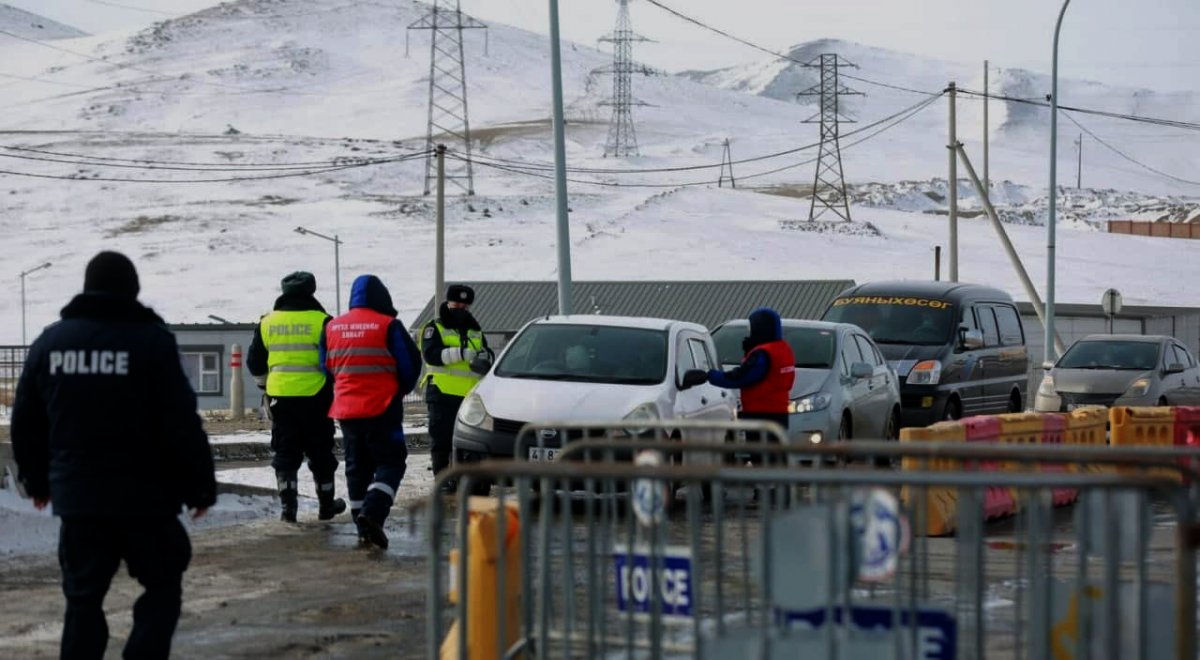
[1152,43]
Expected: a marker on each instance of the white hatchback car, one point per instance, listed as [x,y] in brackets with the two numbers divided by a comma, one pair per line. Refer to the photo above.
[590,369]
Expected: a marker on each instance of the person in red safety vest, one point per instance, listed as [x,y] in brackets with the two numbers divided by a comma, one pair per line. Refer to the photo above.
[766,373]
[373,363]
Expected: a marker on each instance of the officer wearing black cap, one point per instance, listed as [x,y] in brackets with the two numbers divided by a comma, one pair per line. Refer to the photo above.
[284,358]
[456,356]
[117,481]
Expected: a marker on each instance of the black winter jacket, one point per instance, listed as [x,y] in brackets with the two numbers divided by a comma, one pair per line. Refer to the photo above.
[104,421]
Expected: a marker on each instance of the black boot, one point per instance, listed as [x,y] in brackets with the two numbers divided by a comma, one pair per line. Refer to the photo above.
[329,506]
[371,532]
[288,496]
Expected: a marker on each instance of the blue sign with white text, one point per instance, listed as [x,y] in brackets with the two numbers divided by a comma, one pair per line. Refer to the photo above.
[635,577]
[937,631]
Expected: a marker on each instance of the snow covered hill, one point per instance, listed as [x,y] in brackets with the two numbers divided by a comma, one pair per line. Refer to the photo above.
[1019,133]
[240,122]
[32,26]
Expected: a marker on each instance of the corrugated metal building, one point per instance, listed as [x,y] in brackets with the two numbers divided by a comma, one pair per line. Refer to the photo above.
[503,307]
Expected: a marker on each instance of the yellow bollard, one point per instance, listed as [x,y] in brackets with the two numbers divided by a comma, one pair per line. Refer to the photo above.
[483,555]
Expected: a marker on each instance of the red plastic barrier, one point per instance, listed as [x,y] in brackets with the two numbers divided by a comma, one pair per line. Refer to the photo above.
[1187,432]
[997,501]
[1054,433]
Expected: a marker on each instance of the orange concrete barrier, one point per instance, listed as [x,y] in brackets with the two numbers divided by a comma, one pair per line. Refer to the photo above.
[941,503]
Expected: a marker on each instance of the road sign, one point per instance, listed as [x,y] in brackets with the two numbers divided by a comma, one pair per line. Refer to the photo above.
[650,495]
[882,534]
[937,630]
[635,577]
[1110,302]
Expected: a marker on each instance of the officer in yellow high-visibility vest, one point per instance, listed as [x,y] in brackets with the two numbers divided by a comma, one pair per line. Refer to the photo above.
[285,361]
[450,342]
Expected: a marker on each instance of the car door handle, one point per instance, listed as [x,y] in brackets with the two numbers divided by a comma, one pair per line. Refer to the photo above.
[723,394]
[704,400]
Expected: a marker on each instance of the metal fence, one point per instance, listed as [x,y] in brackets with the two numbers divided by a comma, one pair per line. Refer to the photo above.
[671,557]
[12,359]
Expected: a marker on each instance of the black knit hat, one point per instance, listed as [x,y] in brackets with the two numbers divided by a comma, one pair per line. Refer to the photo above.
[113,273]
[460,293]
[300,283]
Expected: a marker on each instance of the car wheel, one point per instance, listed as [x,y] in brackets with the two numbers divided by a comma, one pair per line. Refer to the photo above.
[1014,403]
[890,432]
[953,411]
[845,430]
[1162,402]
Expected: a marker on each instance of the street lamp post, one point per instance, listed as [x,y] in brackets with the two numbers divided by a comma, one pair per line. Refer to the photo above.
[337,267]
[1053,219]
[23,275]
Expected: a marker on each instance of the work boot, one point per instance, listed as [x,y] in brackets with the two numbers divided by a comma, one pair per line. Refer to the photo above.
[371,532]
[288,496]
[329,506]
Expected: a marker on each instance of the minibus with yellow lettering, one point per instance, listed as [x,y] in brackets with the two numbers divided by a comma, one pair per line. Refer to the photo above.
[958,349]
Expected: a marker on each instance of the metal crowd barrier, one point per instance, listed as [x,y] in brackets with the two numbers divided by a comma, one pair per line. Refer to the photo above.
[611,559]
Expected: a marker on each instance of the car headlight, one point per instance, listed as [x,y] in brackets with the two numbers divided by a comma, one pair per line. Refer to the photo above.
[645,412]
[928,372]
[1138,387]
[810,403]
[473,413]
[1047,386]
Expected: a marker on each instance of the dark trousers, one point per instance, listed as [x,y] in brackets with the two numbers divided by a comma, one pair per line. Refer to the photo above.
[755,437]
[443,410]
[301,427]
[90,549]
[376,457]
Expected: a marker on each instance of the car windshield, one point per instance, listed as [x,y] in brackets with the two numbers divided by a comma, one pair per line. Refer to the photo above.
[1111,354]
[897,319]
[813,347]
[588,354]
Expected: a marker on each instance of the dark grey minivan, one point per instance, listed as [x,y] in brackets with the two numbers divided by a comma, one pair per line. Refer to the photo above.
[958,349]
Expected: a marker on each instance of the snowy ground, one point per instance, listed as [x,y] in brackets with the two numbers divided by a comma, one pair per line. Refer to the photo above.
[27,531]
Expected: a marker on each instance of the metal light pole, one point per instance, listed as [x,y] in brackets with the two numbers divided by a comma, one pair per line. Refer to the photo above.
[337,266]
[22,276]
[560,168]
[1053,219]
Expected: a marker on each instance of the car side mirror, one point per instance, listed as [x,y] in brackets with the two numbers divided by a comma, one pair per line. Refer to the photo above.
[1173,368]
[860,370]
[692,378]
[972,339]
[1047,366]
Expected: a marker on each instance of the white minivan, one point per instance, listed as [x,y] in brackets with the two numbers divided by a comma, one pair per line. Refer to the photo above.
[590,368]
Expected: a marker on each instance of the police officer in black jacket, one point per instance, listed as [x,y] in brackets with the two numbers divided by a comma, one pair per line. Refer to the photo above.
[105,428]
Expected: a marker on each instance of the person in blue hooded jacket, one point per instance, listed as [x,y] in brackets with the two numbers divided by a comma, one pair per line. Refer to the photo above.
[373,363]
[766,373]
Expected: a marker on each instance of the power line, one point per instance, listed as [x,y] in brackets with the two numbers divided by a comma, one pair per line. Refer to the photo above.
[1126,156]
[881,125]
[131,7]
[541,165]
[1157,121]
[176,168]
[775,53]
[211,180]
[150,163]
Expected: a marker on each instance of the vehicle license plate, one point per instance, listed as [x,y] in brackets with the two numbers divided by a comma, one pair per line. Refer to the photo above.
[543,453]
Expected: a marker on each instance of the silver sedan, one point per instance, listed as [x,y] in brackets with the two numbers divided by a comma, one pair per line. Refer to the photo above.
[1121,370]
